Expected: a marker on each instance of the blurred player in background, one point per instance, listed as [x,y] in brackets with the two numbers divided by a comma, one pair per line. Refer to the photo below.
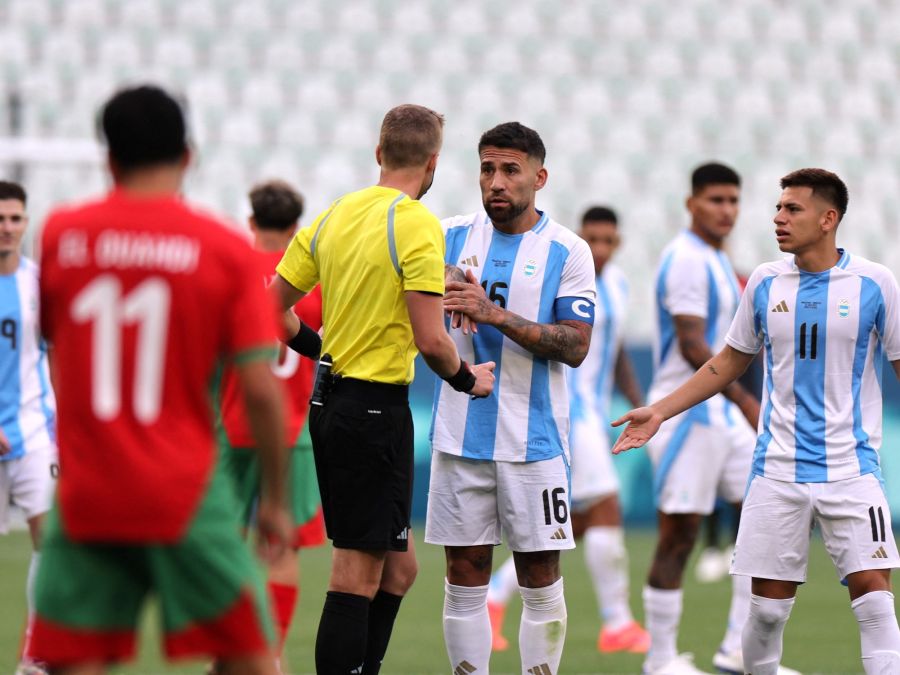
[706,451]
[596,514]
[826,319]
[142,298]
[276,211]
[502,463]
[28,467]
[378,254]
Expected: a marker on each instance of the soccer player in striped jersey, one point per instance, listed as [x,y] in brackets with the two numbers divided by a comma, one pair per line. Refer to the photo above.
[501,463]
[825,319]
[596,515]
[28,461]
[696,297]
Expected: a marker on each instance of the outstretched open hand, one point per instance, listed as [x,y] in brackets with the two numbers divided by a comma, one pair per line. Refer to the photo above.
[643,423]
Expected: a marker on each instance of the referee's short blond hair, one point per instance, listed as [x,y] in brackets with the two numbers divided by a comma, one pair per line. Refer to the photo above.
[410,135]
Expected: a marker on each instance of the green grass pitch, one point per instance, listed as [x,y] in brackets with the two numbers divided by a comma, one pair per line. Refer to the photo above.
[820,638]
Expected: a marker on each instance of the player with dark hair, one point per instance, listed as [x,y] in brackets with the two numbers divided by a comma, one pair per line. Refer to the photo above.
[502,461]
[378,253]
[277,206]
[142,298]
[825,319]
[28,457]
[596,515]
[696,297]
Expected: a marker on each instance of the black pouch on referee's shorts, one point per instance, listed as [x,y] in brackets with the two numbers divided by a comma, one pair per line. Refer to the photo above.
[324,382]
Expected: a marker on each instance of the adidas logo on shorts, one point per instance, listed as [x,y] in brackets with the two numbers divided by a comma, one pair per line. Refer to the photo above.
[880,553]
[403,535]
[559,534]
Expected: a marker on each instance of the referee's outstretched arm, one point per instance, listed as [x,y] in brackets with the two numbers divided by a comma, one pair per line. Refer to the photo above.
[426,315]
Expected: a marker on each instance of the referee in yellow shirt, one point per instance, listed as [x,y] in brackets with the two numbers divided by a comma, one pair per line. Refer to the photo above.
[379,255]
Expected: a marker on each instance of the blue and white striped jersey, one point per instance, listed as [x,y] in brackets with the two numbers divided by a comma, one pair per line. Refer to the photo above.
[824,336]
[27,405]
[693,279]
[591,384]
[544,275]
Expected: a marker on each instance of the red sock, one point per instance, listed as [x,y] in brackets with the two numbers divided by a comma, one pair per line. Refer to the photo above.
[284,599]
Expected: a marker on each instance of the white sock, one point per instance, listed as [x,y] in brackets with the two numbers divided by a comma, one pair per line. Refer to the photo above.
[763,633]
[737,613]
[504,583]
[467,628]
[607,561]
[29,597]
[662,613]
[542,631]
[878,632]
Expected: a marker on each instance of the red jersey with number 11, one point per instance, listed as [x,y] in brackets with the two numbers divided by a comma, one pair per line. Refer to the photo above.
[142,300]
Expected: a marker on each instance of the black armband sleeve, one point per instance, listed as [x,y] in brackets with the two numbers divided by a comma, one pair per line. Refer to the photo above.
[306,342]
[463,380]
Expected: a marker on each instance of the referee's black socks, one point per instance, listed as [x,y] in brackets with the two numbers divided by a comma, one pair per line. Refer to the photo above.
[341,640]
[382,612]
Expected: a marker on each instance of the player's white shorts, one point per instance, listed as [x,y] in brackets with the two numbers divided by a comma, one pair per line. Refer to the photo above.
[28,482]
[472,502]
[777,518]
[693,462]
[593,473]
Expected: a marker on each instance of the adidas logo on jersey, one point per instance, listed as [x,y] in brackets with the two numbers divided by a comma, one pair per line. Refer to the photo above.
[404,535]
[781,307]
[471,261]
[880,553]
[559,534]
[464,668]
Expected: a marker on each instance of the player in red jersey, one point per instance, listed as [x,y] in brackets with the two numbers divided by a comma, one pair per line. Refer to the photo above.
[142,299]
[277,208]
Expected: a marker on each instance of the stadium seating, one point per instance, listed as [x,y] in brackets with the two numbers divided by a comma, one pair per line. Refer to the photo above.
[628,96]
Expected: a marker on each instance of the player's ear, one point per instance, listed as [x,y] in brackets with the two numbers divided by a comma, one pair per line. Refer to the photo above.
[378,154]
[251,221]
[432,162]
[829,220]
[541,178]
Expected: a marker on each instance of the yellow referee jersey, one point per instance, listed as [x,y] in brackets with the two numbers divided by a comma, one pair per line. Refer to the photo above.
[367,250]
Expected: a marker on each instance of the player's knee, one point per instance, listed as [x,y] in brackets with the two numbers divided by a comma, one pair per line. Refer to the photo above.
[768,614]
[469,566]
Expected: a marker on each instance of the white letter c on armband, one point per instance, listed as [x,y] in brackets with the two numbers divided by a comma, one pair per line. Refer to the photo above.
[579,307]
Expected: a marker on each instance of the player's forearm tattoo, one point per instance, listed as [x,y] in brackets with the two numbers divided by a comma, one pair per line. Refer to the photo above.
[712,369]
[453,273]
[566,342]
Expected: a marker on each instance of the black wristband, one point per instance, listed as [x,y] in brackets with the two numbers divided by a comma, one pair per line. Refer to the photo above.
[306,342]
[464,379]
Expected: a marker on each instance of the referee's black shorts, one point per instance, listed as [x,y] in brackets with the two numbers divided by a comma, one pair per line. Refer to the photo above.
[363,445]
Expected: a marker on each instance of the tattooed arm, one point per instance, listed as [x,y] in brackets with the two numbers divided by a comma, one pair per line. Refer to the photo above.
[690,333]
[715,375]
[565,341]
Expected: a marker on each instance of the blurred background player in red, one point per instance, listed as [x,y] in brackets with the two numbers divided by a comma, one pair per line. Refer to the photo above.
[277,208]
[142,298]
